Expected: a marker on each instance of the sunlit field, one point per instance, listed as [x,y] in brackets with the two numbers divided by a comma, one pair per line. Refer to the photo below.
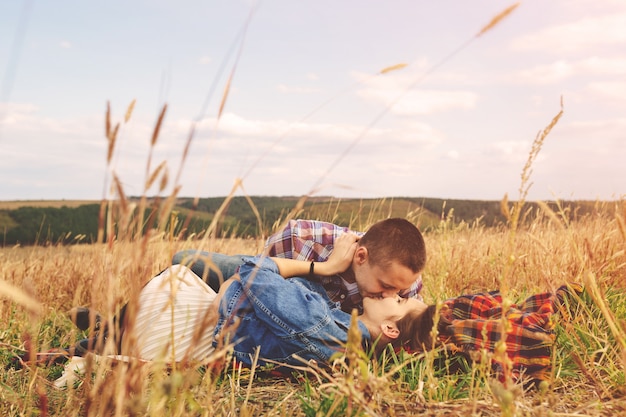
[589,355]
[536,250]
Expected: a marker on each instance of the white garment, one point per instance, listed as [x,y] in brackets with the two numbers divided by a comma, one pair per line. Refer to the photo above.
[172,306]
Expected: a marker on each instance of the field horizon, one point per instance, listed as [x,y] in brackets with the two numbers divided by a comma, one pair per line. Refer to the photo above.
[7,204]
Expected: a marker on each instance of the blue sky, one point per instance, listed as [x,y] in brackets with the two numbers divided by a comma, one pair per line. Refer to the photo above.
[308,109]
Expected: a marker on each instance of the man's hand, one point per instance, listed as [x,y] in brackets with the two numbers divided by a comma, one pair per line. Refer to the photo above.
[341,257]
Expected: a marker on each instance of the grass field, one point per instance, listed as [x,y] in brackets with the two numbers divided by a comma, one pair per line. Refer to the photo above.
[12,205]
[589,357]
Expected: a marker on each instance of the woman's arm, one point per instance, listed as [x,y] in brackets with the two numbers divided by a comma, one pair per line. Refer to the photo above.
[214,308]
[339,261]
[291,316]
[290,306]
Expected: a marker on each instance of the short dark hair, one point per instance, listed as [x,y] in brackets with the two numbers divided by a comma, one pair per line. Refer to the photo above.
[416,330]
[395,239]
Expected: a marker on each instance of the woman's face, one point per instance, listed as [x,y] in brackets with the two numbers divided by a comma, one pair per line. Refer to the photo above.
[377,310]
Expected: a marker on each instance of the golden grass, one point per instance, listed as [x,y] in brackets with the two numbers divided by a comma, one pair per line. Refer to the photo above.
[461,259]
[497,19]
[15,204]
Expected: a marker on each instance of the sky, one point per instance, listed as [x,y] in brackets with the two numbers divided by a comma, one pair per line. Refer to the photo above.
[352,99]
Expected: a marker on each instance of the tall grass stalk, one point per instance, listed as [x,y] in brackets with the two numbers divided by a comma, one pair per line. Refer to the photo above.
[506,393]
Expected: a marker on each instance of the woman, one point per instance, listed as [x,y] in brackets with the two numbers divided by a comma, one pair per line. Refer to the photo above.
[288,321]
[292,320]
[178,317]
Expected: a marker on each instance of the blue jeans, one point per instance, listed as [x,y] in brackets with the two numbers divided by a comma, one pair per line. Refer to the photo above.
[213,268]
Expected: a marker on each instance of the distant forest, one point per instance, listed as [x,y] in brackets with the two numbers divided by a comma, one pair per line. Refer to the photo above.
[71,223]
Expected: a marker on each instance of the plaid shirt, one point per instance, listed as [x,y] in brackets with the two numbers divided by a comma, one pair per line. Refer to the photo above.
[309,240]
[474,322]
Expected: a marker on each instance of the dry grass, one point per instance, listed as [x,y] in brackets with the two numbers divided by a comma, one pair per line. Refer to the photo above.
[461,259]
[15,204]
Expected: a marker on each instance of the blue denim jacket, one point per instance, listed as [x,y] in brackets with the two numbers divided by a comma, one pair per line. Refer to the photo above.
[288,318]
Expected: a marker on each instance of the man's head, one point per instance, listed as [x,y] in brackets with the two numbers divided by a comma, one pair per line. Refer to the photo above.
[389,258]
[403,322]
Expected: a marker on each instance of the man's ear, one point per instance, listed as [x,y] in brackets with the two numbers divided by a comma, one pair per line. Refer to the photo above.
[389,329]
[361,254]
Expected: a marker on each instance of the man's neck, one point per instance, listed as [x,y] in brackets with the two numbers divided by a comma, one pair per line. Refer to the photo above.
[348,276]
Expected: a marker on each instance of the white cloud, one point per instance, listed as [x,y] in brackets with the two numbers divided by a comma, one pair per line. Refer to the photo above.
[204,60]
[563,69]
[73,145]
[413,132]
[605,66]
[607,136]
[16,113]
[546,74]
[65,44]
[585,156]
[537,100]
[413,75]
[615,90]
[231,125]
[513,153]
[510,147]
[397,160]
[576,35]
[398,90]
[421,102]
[595,125]
[295,89]
[236,125]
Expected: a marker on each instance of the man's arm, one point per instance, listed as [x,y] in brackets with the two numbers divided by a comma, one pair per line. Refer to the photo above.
[339,261]
[304,240]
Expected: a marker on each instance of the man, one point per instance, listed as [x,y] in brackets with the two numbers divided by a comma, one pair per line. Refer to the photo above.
[179,318]
[385,261]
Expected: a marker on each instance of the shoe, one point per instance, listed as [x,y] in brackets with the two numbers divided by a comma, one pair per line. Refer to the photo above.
[93,344]
[83,318]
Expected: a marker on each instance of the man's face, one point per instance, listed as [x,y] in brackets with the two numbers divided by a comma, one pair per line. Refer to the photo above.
[374,281]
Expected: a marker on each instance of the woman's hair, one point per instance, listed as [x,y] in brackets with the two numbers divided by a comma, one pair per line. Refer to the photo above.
[395,239]
[416,330]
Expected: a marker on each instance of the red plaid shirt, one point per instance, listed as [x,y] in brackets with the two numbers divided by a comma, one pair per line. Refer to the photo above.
[474,323]
[310,240]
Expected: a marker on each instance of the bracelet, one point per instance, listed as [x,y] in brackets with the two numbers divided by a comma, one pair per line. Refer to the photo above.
[312,268]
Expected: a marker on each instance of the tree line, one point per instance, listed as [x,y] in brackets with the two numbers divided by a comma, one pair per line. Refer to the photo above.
[258,216]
